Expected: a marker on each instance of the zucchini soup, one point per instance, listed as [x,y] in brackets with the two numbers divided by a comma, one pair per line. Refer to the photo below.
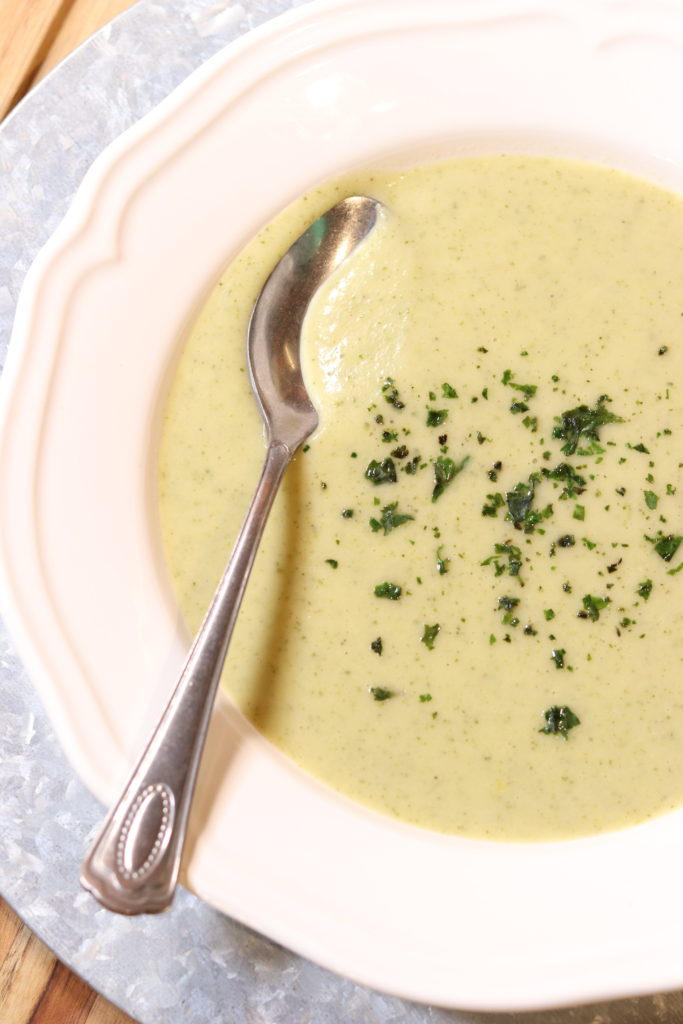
[466,612]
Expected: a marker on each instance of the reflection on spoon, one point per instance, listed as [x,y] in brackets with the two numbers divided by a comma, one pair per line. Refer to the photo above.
[132,866]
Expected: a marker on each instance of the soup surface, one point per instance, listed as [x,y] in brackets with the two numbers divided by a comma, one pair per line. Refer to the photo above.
[466,612]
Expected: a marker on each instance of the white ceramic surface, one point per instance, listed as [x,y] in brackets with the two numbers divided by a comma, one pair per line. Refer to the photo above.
[100,322]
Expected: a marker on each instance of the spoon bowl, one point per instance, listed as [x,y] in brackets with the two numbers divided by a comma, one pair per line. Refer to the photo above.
[132,866]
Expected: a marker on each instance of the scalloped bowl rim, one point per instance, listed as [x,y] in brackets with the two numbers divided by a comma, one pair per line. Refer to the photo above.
[84,588]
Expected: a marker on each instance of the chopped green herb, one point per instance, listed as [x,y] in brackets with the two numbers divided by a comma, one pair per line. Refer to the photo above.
[380,693]
[429,635]
[639,448]
[549,614]
[590,544]
[513,555]
[445,470]
[665,546]
[390,519]
[528,390]
[579,513]
[383,472]
[592,606]
[559,719]
[391,395]
[412,467]
[332,562]
[651,499]
[347,513]
[557,656]
[377,645]
[391,591]
[508,605]
[389,435]
[441,562]
[519,502]
[644,589]
[425,698]
[448,391]
[574,483]
[400,452]
[493,503]
[583,422]
[567,541]
[435,417]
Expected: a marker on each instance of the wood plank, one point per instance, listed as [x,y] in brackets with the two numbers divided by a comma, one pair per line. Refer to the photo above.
[65,998]
[35,988]
[28,29]
[81,20]
[25,968]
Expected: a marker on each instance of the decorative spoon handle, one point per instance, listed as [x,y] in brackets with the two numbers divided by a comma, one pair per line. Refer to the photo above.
[132,866]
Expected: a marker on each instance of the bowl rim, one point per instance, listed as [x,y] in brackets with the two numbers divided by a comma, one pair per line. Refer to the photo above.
[100,230]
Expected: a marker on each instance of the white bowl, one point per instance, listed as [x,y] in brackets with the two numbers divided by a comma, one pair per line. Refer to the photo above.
[102,316]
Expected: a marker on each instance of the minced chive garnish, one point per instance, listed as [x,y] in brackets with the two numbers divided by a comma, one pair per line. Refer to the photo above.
[392,591]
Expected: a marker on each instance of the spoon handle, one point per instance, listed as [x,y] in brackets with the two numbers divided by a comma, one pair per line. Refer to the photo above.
[132,866]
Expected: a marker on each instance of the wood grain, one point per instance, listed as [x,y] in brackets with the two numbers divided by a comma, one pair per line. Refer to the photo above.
[80,21]
[27,31]
[35,988]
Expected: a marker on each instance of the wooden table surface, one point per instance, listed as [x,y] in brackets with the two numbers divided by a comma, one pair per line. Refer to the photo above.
[35,988]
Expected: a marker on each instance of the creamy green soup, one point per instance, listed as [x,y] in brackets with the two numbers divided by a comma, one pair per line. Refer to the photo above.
[466,612]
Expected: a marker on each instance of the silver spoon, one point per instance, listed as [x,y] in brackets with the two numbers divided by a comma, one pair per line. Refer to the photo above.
[132,866]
